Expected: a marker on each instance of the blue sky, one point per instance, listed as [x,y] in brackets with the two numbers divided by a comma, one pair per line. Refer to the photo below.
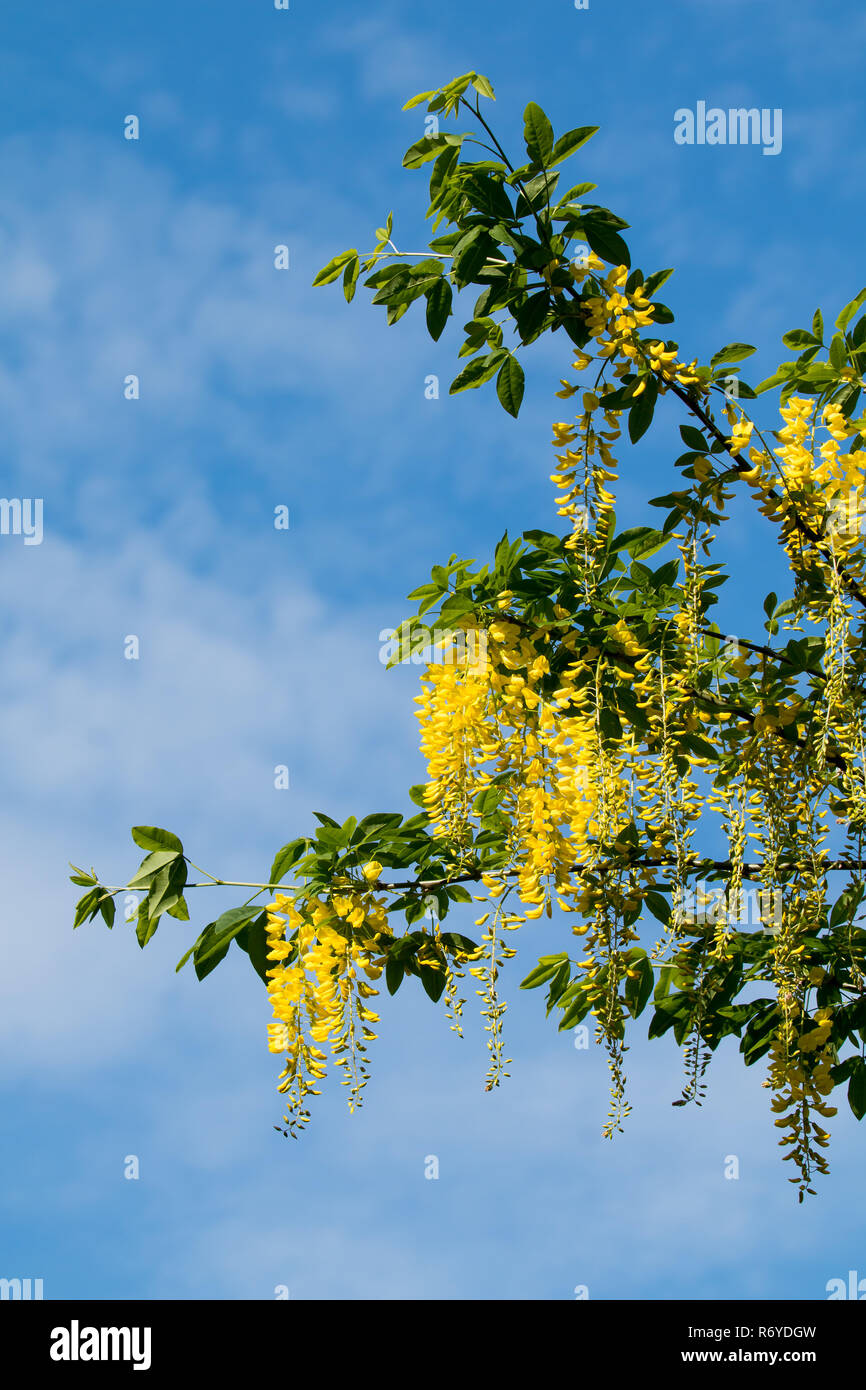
[261,647]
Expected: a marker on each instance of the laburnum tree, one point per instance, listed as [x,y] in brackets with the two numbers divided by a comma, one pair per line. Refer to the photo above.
[591,734]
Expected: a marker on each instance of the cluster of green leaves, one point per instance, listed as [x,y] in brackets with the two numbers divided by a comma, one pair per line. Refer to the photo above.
[511,233]
[334,855]
[161,876]
[837,378]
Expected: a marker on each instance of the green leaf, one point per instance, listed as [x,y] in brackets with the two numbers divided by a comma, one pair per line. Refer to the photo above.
[334,269]
[530,313]
[167,887]
[535,194]
[458,894]
[838,354]
[350,278]
[734,352]
[482,85]
[455,941]
[417,100]
[658,906]
[184,958]
[440,176]
[638,990]
[378,821]
[818,325]
[510,384]
[151,837]
[476,372]
[694,439]
[286,857]
[204,959]
[383,233]
[216,938]
[87,906]
[845,318]
[775,380]
[576,1010]
[605,242]
[661,312]
[151,866]
[544,971]
[425,149]
[639,541]
[81,876]
[433,979]
[538,134]
[253,939]
[655,281]
[230,923]
[395,974]
[641,414]
[439,297]
[857,1083]
[572,141]
[471,254]
[819,373]
[800,338]
[488,196]
[146,926]
[558,985]
[700,747]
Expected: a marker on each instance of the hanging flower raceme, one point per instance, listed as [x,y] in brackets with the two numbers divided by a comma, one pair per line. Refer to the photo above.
[326,953]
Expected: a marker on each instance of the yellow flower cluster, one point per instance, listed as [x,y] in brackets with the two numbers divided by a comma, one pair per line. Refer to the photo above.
[504,730]
[667,367]
[613,317]
[318,997]
[801,1081]
[485,726]
[814,483]
[582,477]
